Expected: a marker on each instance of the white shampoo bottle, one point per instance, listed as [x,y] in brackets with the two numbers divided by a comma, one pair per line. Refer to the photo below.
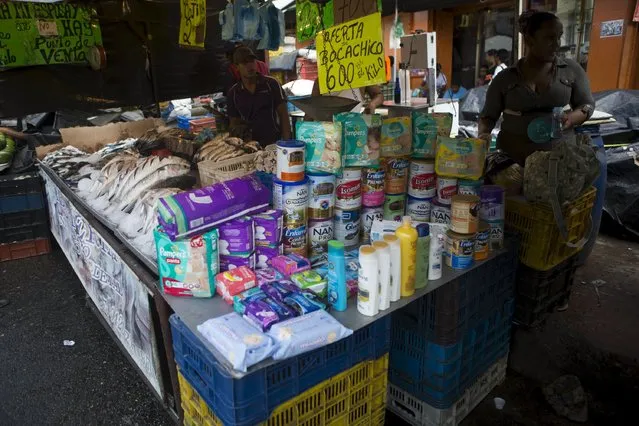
[395,267]
[383,266]
[368,286]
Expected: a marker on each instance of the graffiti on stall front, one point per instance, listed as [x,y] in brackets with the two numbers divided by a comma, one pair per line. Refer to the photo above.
[46,33]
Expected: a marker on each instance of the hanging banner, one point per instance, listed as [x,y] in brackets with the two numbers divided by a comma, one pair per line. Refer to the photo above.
[309,21]
[45,33]
[351,55]
[345,10]
[192,23]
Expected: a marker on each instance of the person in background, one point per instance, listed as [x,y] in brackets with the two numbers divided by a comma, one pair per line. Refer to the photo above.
[501,59]
[491,64]
[257,101]
[441,82]
[234,72]
[527,93]
[374,93]
[456,91]
[481,78]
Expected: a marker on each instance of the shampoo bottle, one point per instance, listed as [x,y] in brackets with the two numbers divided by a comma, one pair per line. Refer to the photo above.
[395,266]
[437,241]
[408,241]
[383,267]
[421,264]
[368,291]
[337,292]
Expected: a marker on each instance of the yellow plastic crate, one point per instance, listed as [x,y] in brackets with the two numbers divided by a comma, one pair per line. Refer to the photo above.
[356,397]
[542,245]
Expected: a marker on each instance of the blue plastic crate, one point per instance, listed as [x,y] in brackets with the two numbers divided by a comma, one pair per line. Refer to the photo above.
[439,374]
[19,203]
[250,399]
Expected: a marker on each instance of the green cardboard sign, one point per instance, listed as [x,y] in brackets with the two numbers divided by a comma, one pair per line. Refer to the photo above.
[309,21]
[46,34]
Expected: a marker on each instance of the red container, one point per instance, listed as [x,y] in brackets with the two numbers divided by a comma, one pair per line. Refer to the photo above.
[24,249]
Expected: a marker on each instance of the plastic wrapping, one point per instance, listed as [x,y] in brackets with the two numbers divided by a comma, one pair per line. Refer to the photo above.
[460,158]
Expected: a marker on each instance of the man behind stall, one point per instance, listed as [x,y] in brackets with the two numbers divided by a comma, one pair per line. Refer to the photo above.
[257,101]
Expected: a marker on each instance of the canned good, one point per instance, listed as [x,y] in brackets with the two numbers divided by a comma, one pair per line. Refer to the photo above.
[460,250]
[292,199]
[439,213]
[372,187]
[482,241]
[468,187]
[290,160]
[396,174]
[464,214]
[446,188]
[422,180]
[320,232]
[347,224]
[492,203]
[496,234]
[294,238]
[419,209]
[370,215]
[348,193]
[321,195]
[394,207]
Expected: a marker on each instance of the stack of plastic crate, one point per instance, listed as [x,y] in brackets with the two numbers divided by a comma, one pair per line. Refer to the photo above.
[264,392]
[24,225]
[443,343]
[548,261]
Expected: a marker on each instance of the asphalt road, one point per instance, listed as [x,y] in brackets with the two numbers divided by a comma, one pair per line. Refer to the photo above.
[43,381]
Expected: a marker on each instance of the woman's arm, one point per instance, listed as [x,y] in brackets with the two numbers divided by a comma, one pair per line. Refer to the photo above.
[377,99]
[492,110]
[581,100]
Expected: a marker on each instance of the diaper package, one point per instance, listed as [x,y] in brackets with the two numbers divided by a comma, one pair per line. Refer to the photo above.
[290,264]
[241,344]
[233,282]
[265,254]
[241,300]
[261,315]
[268,228]
[460,158]
[323,145]
[424,134]
[396,137]
[237,237]
[267,275]
[306,333]
[310,280]
[361,135]
[187,267]
[228,263]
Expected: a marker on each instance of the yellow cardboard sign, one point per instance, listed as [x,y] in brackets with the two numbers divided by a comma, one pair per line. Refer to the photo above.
[192,23]
[351,55]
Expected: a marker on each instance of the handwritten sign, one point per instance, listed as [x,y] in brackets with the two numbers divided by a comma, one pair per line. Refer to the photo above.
[46,33]
[345,10]
[351,55]
[192,23]
[309,20]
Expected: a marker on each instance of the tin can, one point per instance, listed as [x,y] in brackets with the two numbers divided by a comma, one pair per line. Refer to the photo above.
[290,160]
[419,209]
[422,180]
[492,203]
[320,232]
[294,238]
[370,215]
[496,234]
[446,188]
[460,250]
[396,175]
[439,213]
[394,207]
[347,224]
[464,212]
[372,187]
[469,187]
[348,193]
[292,199]
[321,195]
[482,241]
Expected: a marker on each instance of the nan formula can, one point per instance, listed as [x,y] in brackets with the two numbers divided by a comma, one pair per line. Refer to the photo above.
[321,195]
[292,199]
[320,232]
[419,209]
[439,213]
[370,215]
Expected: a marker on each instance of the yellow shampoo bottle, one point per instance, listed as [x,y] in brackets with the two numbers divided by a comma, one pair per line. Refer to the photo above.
[408,241]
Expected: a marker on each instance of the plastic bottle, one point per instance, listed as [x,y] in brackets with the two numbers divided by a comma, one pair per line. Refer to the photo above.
[423,248]
[437,238]
[368,287]
[337,292]
[408,240]
[398,91]
[383,267]
[395,266]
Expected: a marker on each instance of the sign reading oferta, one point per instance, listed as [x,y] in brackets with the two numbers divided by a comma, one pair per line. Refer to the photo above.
[46,33]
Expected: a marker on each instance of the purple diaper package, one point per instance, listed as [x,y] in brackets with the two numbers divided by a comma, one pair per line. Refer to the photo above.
[279,290]
[241,300]
[193,212]
[290,264]
[265,254]
[231,262]
[267,275]
[301,304]
[282,310]
[237,237]
[268,228]
[260,314]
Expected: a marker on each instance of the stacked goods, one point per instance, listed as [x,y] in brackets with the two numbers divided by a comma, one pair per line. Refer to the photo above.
[321,211]
[348,205]
[422,188]
[372,200]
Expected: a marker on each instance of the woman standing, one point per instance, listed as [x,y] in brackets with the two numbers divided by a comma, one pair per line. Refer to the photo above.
[527,93]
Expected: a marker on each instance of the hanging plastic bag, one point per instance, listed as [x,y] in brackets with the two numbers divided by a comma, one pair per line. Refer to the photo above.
[227,22]
[251,21]
[265,32]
